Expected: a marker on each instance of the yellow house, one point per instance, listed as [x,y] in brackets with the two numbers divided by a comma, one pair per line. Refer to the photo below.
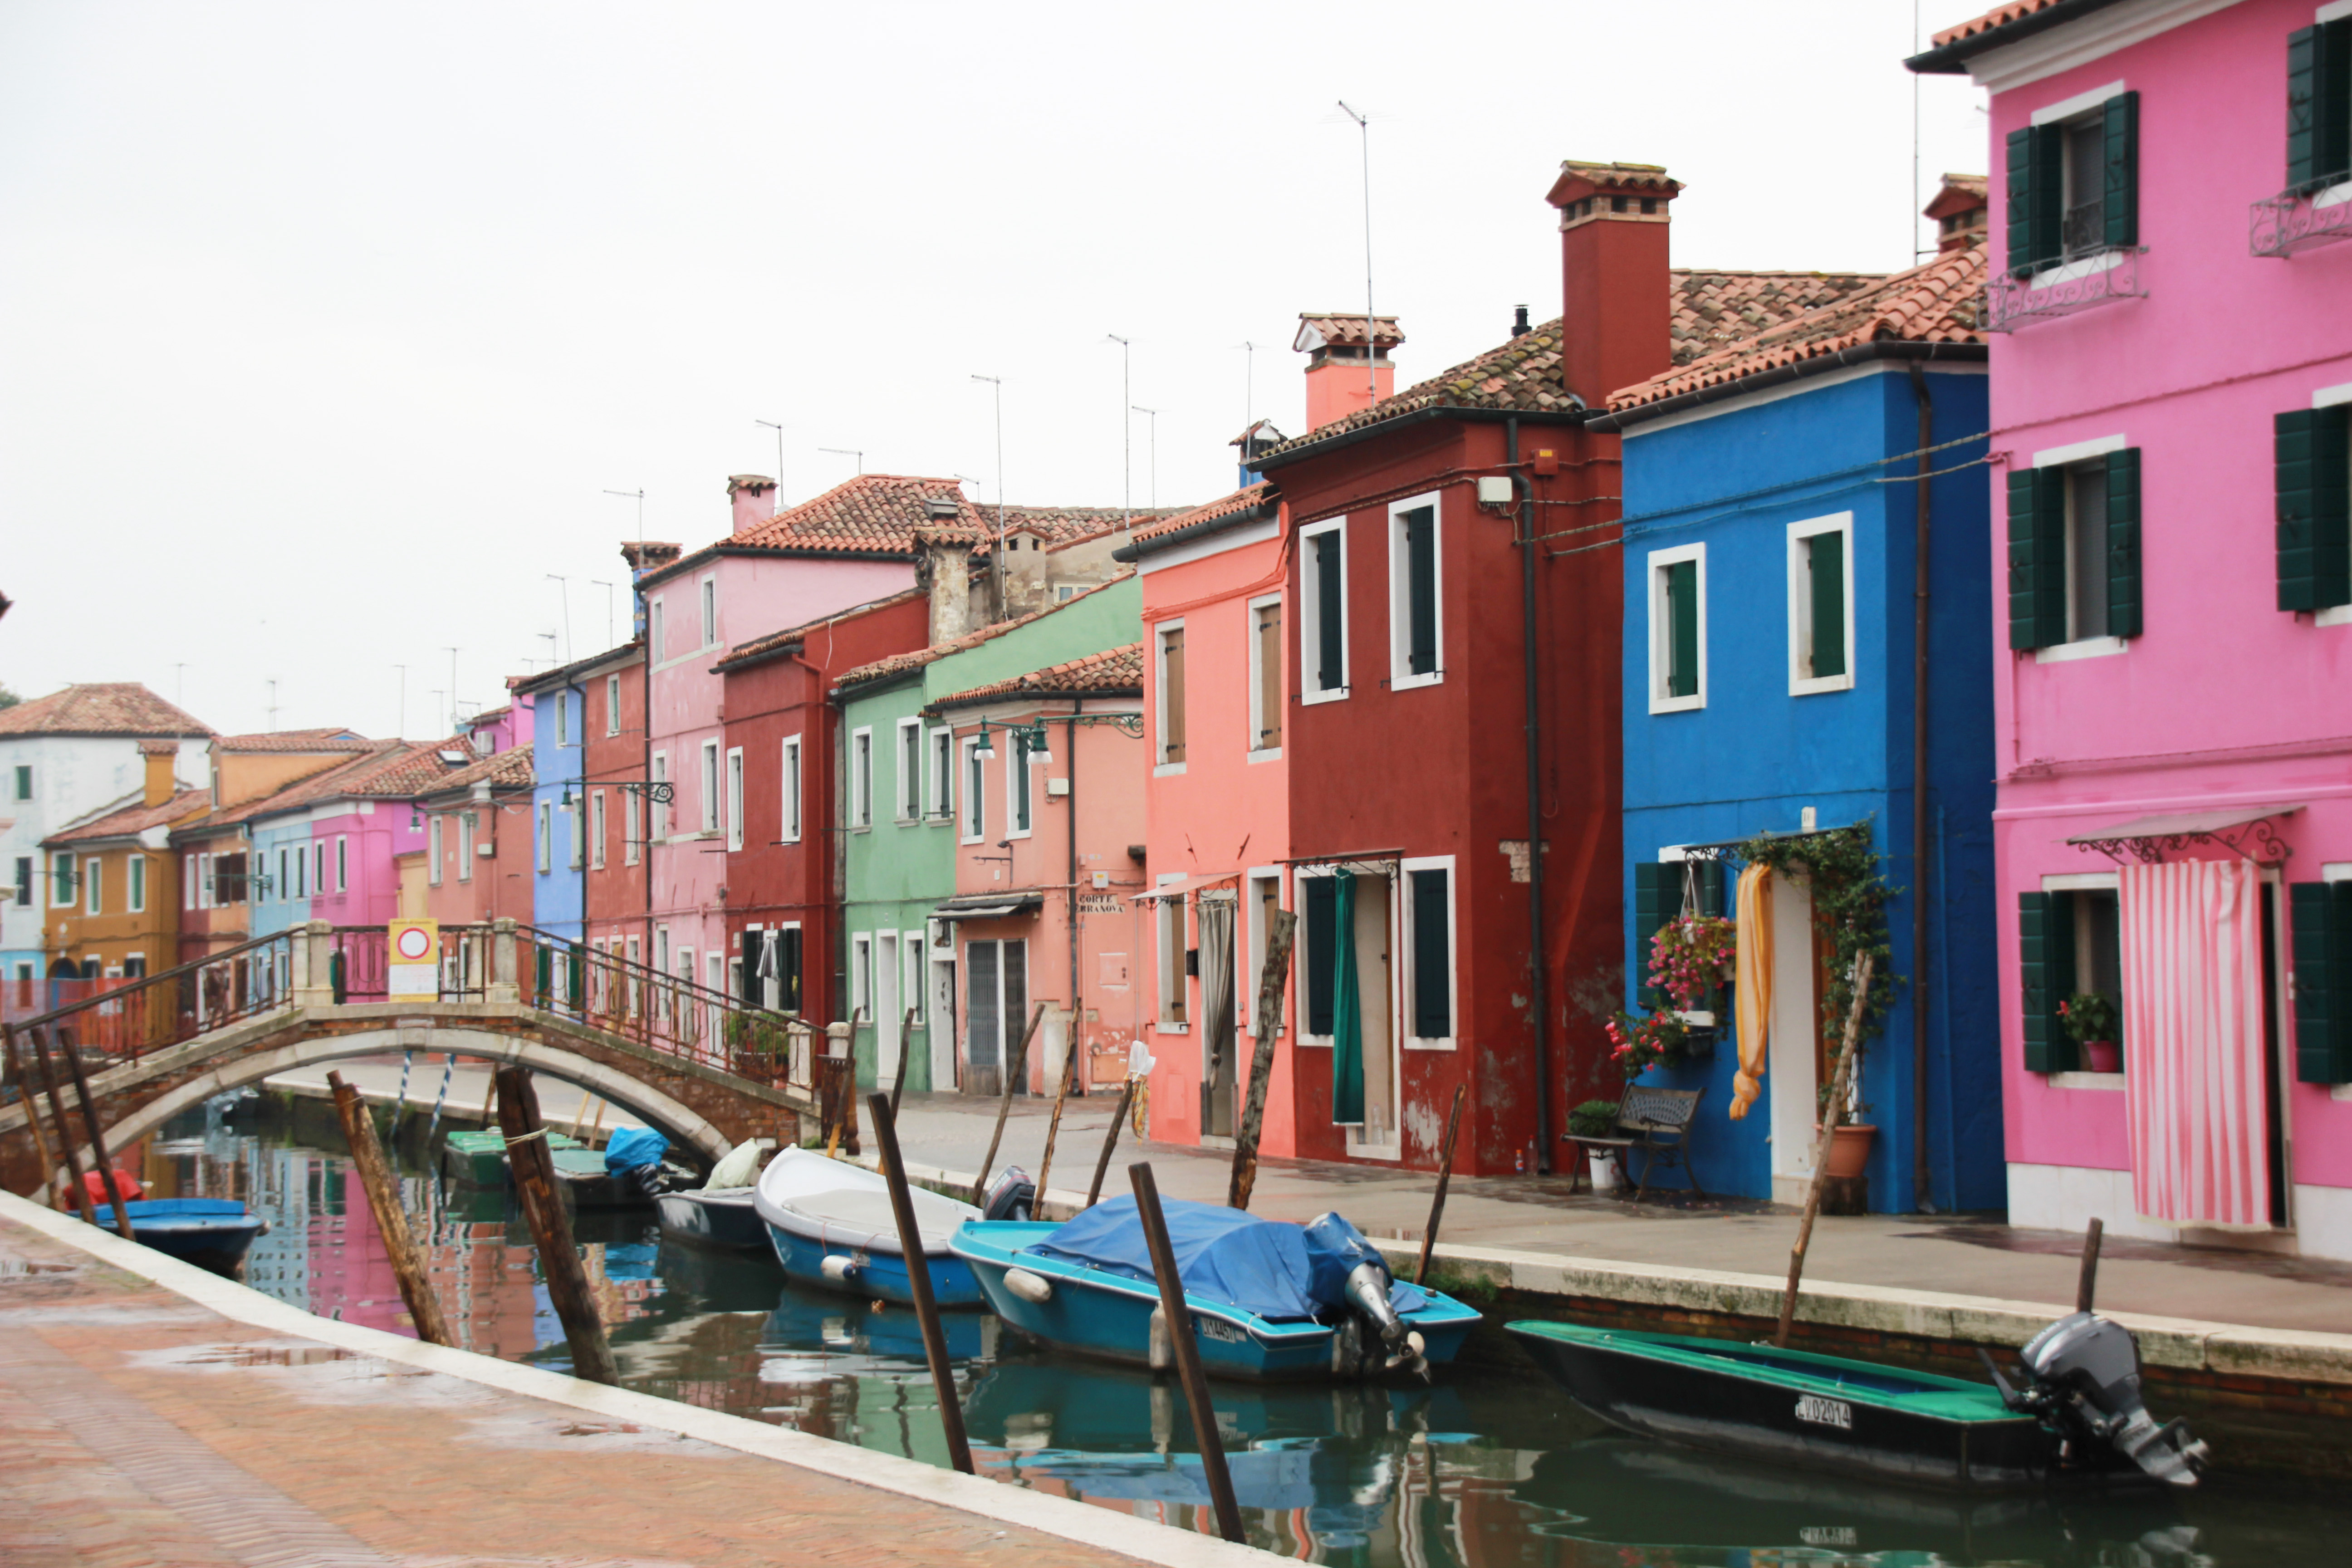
[112,883]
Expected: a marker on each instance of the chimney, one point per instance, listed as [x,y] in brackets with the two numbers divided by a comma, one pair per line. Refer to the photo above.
[943,570]
[753,497]
[1959,210]
[1616,303]
[1337,349]
[1519,325]
[159,756]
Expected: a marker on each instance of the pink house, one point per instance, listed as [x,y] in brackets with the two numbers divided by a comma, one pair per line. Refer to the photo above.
[2173,663]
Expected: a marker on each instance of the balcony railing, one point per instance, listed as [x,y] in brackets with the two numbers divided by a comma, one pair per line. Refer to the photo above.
[2082,283]
[2301,218]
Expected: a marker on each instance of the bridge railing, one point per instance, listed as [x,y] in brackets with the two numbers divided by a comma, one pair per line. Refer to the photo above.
[668,1013]
[360,965]
[138,1017]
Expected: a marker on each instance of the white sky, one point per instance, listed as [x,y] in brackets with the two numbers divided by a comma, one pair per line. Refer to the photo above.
[325,326]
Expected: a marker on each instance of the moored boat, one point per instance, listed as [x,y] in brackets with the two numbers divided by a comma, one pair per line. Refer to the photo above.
[479,1159]
[1269,1299]
[211,1232]
[714,1216]
[832,1224]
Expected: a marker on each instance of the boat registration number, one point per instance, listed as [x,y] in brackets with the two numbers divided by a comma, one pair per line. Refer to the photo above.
[1824,1412]
[1218,1329]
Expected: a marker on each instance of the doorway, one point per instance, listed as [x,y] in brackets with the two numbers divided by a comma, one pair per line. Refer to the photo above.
[1378,1137]
[1220,1077]
[940,1008]
[1792,1072]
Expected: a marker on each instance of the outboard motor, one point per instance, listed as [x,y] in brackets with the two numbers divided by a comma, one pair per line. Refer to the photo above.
[2082,1377]
[1349,1273]
[1012,1196]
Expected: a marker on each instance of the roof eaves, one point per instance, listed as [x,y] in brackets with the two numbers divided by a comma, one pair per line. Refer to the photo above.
[1891,349]
[1136,549]
[1957,46]
[1311,446]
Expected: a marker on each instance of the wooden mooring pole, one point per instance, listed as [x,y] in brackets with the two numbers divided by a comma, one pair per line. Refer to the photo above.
[1280,929]
[1110,1141]
[1188,1352]
[1830,1113]
[16,1072]
[64,1135]
[98,1156]
[1016,1070]
[2087,1286]
[905,1040]
[918,1282]
[391,1217]
[550,1227]
[1444,1175]
[1053,1127]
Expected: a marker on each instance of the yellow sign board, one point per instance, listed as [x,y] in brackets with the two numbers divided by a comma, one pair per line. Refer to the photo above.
[413,961]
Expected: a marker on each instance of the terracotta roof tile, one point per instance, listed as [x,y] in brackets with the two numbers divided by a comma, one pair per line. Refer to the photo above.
[1340,330]
[502,769]
[1241,500]
[394,770]
[1114,672]
[900,663]
[100,708]
[1715,310]
[1934,303]
[327,740]
[1992,21]
[121,821]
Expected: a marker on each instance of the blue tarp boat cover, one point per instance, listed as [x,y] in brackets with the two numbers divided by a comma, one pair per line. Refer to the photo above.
[632,1147]
[1274,1269]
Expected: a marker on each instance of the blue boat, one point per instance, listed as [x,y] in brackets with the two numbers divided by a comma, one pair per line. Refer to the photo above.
[832,1226]
[1269,1299]
[211,1232]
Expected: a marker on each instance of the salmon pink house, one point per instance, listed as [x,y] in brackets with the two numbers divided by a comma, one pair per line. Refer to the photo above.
[2169,387]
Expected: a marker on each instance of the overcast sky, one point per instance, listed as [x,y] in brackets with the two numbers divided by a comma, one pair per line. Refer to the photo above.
[323,328]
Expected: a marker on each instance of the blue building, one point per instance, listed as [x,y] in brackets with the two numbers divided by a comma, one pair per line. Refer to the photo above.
[1772,676]
[572,710]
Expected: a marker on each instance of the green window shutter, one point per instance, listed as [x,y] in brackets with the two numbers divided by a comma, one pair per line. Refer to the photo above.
[1682,629]
[1330,666]
[2037,557]
[1654,884]
[2304,154]
[1708,875]
[2121,114]
[1432,970]
[542,976]
[2021,252]
[2045,968]
[2334,100]
[1420,589]
[1826,554]
[2313,469]
[1322,930]
[2322,913]
[2122,544]
[788,971]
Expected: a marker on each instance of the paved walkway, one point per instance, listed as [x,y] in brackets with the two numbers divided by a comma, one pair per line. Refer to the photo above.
[141,1425]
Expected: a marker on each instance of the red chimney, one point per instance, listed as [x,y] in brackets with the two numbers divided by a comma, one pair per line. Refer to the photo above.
[754,496]
[1616,301]
[1337,347]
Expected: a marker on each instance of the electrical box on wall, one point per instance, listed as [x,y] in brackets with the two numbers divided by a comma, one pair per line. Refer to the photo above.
[1493,489]
[1057,787]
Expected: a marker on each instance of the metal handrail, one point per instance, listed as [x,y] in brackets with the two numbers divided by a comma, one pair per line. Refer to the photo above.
[667,1013]
[146,981]
[617,960]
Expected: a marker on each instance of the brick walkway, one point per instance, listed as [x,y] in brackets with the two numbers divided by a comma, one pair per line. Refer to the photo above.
[137,1426]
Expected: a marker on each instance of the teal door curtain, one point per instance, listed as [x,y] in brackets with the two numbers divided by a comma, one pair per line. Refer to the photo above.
[1347,1007]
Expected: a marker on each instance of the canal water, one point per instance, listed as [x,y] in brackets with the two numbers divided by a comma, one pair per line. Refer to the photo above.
[1487,1466]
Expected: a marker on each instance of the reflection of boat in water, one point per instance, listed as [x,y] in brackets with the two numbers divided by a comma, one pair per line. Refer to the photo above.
[716,1281]
[1631,1491]
[720,1218]
[855,1336]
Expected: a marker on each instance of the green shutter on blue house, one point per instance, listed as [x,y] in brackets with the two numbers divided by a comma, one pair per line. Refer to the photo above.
[1682,629]
[2120,116]
[2037,558]
[1650,891]
[2122,544]
[1322,932]
[1433,956]
[2046,972]
[2314,482]
[1421,590]
[2322,913]
[2319,104]
[1825,559]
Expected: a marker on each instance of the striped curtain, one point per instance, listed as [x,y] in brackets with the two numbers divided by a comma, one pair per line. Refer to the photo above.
[2192,976]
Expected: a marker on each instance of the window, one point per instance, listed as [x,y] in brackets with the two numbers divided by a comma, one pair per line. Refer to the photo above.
[1414,627]
[790,786]
[285,888]
[1429,964]
[24,781]
[1820,604]
[1174,987]
[596,830]
[709,803]
[631,838]
[24,883]
[788,969]
[435,831]
[546,837]
[861,974]
[1265,675]
[2321,916]
[1063,593]
[975,792]
[685,965]
[910,978]
[1678,628]
[612,705]
[656,628]
[135,868]
[468,826]
[2314,472]
[1318,936]
[2070,942]
[861,778]
[1018,759]
[302,871]
[93,878]
[735,797]
[660,808]
[710,612]
[1323,611]
[229,879]
[562,720]
[996,999]
[342,863]
[1264,901]
[319,866]
[2319,104]
[909,783]
[1170,680]
[2074,549]
[943,774]
[575,833]
[2073,181]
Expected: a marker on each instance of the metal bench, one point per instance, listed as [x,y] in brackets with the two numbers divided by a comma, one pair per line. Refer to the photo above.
[1656,1121]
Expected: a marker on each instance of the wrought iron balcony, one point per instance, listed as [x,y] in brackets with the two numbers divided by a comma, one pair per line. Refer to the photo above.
[2300,218]
[2080,283]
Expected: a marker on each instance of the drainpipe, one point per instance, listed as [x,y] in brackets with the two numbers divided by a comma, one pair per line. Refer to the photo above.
[1919,906]
[1535,935]
[1070,908]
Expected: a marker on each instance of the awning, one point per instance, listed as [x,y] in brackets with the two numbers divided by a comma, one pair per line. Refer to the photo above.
[2245,830]
[987,906]
[1184,885]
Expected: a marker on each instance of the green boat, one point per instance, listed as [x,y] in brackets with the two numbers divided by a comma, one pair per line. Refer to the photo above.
[479,1159]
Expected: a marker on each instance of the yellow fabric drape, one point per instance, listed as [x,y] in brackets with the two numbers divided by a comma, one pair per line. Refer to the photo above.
[1752,987]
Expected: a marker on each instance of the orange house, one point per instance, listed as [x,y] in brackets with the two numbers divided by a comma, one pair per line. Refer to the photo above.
[113,884]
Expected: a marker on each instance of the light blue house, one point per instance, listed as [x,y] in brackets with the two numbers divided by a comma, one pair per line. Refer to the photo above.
[1774,683]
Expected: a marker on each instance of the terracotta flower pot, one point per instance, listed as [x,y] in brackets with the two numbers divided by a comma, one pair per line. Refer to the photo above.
[2102,1056]
[1850,1150]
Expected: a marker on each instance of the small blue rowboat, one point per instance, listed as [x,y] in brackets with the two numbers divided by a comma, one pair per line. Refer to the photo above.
[211,1232]
[832,1226]
[1269,1299]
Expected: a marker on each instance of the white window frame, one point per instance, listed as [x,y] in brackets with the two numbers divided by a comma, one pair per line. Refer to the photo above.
[1160,630]
[598,825]
[1405,950]
[93,885]
[1256,704]
[318,868]
[468,827]
[1170,986]
[187,882]
[1300,877]
[1021,784]
[788,791]
[708,783]
[436,846]
[612,705]
[708,604]
[1661,629]
[861,778]
[734,797]
[656,628]
[861,979]
[939,762]
[913,971]
[1800,606]
[1310,627]
[1400,676]
[659,818]
[546,837]
[575,819]
[562,722]
[907,782]
[134,883]
[632,831]
[342,862]
[1254,948]
[971,823]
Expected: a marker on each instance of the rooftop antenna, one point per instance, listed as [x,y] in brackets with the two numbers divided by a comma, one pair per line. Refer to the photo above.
[273,705]
[453,686]
[1916,252]
[996,385]
[1371,331]
[551,648]
[401,733]
[566,588]
[639,496]
[780,457]
[1154,414]
[1126,433]
[848,452]
[179,684]
[600,583]
[1249,383]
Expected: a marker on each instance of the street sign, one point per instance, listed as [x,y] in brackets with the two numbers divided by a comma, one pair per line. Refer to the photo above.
[413,961]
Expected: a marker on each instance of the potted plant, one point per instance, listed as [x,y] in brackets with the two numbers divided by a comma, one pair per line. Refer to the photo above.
[2090,1020]
[1850,1145]
[1597,1118]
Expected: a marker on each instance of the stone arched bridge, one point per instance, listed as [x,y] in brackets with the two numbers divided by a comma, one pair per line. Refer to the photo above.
[659,1047]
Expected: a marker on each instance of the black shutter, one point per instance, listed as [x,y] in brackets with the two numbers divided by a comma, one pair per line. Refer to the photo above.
[1322,933]
[1432,969]
[2046,970]
[2122,544]
[1329,671]
[1657,891]
[2314,482]
[2121,114]
[2037,557]
[2322,913]
[1420,589]
[747,969]
[788,971]
[2021,252]
[2319,104]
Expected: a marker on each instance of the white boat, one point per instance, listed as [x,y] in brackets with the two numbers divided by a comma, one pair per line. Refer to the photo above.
[832,1224]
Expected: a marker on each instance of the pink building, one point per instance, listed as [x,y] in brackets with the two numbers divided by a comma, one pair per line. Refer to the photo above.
[2173,671]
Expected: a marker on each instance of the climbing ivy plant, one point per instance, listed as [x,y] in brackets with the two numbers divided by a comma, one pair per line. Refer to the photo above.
[1850,890]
